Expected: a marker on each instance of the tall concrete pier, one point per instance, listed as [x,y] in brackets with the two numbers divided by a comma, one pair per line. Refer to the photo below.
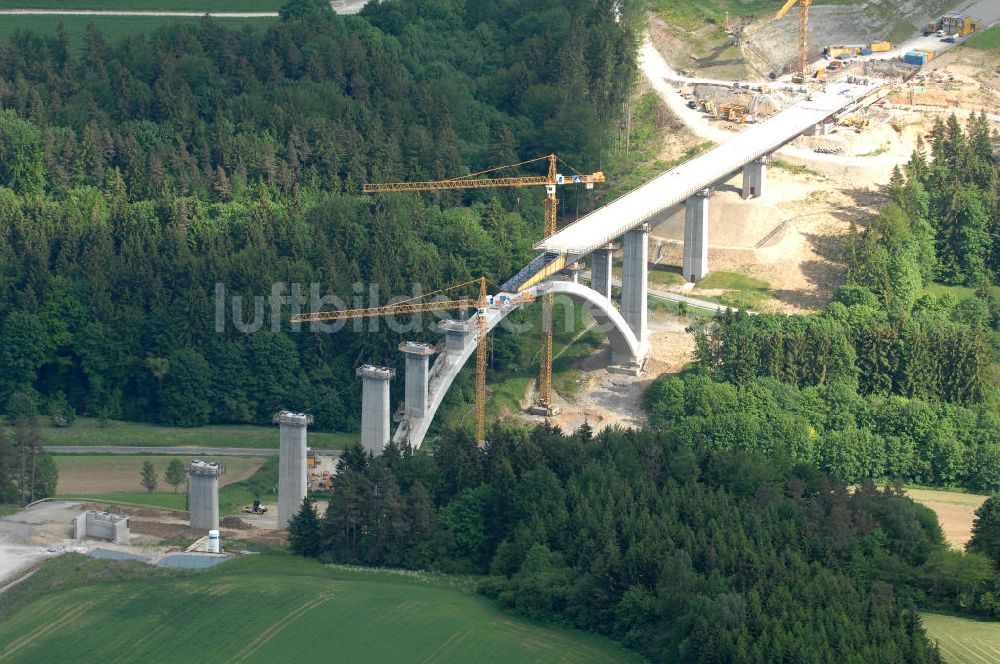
[456,333]
[203,493]
[755,178]
[291,463]
[600,270]
[375,431]
[417,363]
[696,236]
[635,283]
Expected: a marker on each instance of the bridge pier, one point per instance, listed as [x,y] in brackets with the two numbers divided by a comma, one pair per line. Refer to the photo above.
[755,178]
[375,412]
[417,362]
[695,265]
[291,463]
[455,333]
[635,287]
[600,270]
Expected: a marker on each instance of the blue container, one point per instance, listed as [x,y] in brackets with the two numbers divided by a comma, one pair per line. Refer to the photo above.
[866,51]
[914,58]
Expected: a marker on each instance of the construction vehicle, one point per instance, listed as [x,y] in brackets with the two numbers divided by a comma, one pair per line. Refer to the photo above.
[550,181]
[954,23]
[804,5]
[733,112]
[481,304]
[256,508]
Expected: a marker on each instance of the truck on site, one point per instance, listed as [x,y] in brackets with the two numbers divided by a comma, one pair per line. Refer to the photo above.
[853,50]
[954,23]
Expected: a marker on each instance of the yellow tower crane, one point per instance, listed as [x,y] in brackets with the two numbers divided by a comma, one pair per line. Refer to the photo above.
[550,181]
[415,305]
[803,31]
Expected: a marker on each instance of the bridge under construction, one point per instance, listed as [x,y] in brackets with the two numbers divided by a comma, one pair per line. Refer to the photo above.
[593,238]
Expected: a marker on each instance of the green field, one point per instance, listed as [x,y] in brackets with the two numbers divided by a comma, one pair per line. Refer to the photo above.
[90,431]
[962,640]
[272,608]
[742,291]
[114,28]
[988,40]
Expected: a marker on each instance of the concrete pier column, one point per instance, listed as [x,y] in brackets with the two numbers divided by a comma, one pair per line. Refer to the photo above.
[755,178]
[417,363]
[695,265]
[203,493]
[375,407]
[600,270]
[456,333]
[291,463]
[635,283]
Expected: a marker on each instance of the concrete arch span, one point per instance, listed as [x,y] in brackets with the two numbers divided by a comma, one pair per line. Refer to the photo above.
[625,348]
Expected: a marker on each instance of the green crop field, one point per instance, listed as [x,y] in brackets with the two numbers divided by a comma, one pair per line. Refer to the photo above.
[988,40]
[90,432]
[964,641]
[113,28]
[271,608]
[742,291]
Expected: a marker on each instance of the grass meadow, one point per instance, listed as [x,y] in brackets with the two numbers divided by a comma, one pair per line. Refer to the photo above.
[962,640]
[271,608]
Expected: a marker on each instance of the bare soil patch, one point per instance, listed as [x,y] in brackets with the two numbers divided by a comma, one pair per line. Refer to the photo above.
[792,237]
[955,511]
[115,474]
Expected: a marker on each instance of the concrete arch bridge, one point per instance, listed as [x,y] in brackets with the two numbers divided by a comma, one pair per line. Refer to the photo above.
[594,238]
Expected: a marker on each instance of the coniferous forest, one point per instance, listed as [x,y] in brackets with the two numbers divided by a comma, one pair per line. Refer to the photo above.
[134,177]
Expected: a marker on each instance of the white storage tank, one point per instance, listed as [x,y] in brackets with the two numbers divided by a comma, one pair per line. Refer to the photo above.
[214,546]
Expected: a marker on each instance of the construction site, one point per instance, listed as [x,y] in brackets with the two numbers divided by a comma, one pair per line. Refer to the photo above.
[783,161]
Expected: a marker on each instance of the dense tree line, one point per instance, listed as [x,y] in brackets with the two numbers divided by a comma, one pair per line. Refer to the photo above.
[885,330]
[27,472]
[681,551]
[832,426]
[136,176]
[892,381]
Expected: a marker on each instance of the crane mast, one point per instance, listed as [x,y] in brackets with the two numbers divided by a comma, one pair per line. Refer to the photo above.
[544,401]
[480,303]
[803,31]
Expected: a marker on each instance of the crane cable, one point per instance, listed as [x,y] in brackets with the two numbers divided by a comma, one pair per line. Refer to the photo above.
[499,168]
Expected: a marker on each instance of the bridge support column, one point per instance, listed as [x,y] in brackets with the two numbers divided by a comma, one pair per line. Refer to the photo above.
[455,333]
[696,236]
[755,178]
[375,413]
[600,270]
[635,286]
[291,463]
[417,362]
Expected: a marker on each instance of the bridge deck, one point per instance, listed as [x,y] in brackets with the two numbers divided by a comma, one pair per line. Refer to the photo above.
[674,187]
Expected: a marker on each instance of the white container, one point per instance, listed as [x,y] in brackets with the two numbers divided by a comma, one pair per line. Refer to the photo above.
[214,546]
